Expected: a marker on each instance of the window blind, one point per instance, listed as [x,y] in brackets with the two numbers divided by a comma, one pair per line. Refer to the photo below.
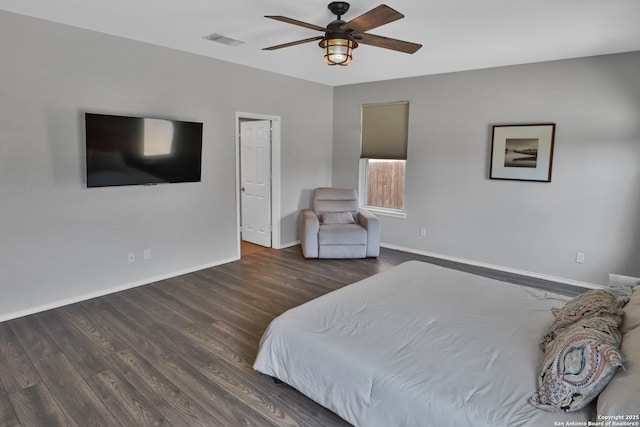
[385,130]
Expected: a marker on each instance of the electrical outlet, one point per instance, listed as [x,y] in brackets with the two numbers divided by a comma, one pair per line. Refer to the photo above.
[147,254]
[131,257]
[579,257]
[423,232]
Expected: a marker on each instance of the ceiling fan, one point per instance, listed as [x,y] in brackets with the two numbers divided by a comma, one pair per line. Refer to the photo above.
[340,37]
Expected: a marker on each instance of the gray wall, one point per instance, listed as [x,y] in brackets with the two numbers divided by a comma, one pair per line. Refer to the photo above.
[60,241]
[592,204]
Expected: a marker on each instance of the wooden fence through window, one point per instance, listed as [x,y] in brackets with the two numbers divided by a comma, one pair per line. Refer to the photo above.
[386,183]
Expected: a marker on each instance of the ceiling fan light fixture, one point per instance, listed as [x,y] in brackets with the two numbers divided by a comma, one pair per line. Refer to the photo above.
[338,50]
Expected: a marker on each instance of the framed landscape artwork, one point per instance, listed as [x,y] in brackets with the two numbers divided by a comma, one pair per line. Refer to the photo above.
[522,152]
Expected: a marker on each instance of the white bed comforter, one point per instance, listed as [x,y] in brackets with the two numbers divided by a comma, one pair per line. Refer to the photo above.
[418,345]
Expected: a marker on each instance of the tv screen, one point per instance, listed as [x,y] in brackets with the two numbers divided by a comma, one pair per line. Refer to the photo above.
[138,150]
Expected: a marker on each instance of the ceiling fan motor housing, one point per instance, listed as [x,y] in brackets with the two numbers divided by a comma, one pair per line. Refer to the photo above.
[335,30]
[339,8]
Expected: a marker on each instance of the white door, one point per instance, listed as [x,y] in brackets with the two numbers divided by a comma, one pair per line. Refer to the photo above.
[255,181]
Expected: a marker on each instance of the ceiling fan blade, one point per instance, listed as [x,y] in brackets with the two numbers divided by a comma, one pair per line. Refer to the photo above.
[296,22]
[388,43]
[280,46]
[374,18]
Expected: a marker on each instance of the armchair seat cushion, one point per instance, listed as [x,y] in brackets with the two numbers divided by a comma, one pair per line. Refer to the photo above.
[342,234]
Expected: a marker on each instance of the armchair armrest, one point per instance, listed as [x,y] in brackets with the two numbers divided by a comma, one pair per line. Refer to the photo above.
[372,224]
[309,228]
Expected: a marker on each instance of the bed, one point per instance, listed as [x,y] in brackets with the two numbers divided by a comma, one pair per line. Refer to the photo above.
[418,345]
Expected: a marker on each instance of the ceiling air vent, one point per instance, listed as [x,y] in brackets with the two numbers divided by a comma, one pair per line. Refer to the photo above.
[223,39]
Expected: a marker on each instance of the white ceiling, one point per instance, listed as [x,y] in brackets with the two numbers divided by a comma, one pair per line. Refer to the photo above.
[456,34]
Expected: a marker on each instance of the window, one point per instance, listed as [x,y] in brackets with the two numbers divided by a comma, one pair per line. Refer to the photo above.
[383,156]
[385,183]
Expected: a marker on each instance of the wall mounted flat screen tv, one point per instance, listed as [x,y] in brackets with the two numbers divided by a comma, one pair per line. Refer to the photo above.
[141,151]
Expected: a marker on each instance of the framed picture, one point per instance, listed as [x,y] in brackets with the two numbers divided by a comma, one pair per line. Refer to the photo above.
[522,152]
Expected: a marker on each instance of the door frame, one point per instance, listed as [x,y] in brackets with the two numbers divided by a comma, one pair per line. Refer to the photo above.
[275,175]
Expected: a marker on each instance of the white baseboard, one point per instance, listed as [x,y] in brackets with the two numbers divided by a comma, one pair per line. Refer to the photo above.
[103,292]
[496,267]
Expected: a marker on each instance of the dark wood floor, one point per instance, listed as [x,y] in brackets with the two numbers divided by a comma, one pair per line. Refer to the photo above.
[174,353]
[248,248]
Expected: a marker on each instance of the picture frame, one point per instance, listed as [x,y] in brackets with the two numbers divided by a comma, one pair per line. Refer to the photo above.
[522,152]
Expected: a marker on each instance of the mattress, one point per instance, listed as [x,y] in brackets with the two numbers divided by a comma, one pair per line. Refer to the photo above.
[418,345]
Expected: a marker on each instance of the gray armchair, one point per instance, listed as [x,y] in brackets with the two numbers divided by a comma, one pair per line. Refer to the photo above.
[336,226]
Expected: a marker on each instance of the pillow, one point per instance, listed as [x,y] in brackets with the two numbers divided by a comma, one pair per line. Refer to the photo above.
[622,395]
[605,325]
[620,281]
[337,218]
[591,303]
[631,317]
[583,362]
[622,286]
[582,352]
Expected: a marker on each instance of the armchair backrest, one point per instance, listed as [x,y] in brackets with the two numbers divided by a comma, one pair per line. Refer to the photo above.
[327,199]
